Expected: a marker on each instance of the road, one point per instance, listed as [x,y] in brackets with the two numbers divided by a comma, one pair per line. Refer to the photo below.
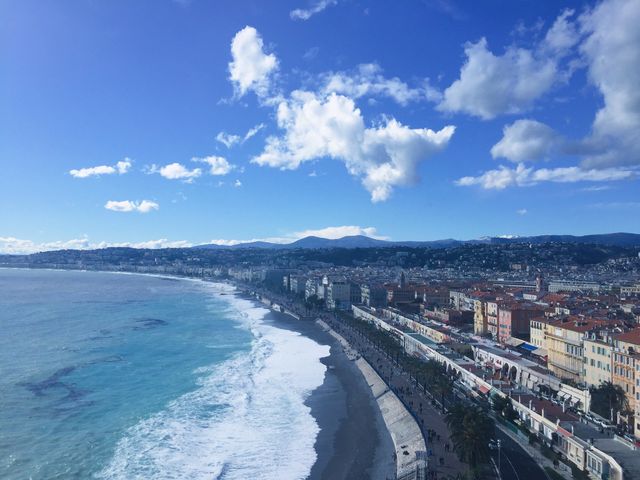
[515,463]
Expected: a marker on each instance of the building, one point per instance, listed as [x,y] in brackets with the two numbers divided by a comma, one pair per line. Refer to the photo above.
[573,286]
[565,346]
[625,360]
[492,317]
[460,300]
[597,361]
[480,317]
[537,329]
[514,321]
[297,284]
[338,294]
[373,295]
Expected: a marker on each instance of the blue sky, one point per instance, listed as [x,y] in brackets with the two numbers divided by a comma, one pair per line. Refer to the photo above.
[171,123]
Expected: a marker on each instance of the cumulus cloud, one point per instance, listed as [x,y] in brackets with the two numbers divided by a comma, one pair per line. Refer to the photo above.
[612,51]
[237,184]
[145,206]
[251,68]
[316,7]
[18,246]
[217,165]
[327,232]
[490,85]
[526,140]
[383,156]
[522,176]
[176,171]
[522,211]
[368,80]
[120,167]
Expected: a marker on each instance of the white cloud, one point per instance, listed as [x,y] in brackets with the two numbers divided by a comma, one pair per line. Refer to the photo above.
[176,171]
[316,7]
[237,183]
[368,80]
[251,68]
[145,206]
[17,246]
[383,157]
[490,85]
[327,232]
[227,139]
[339,232]
[522,176]
[522,211]
[612,50]
[563,34]
[526,140]
[253,131]
[217,165]
[121,167]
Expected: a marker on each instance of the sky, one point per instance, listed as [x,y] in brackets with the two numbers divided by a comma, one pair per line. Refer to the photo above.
[167,123]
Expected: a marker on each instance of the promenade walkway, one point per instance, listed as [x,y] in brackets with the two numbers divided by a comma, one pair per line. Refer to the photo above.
[443,462]
[405,432]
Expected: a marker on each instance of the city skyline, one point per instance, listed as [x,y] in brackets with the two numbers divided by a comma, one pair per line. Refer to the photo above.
[179,123]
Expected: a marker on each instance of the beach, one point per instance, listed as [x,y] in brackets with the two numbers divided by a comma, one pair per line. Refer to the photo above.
[353,442]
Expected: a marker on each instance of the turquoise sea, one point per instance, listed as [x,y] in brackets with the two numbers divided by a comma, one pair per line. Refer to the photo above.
[116,376]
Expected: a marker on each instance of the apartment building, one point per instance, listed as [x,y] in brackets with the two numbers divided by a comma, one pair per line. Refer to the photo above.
[514,321]
[537,329]
[338,294]
[565,346]
[626,358]
[597,361]
[492,317]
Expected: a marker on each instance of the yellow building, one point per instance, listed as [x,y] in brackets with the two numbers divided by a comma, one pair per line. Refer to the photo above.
[564,344]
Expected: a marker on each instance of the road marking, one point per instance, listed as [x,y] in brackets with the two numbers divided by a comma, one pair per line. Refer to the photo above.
[514,468]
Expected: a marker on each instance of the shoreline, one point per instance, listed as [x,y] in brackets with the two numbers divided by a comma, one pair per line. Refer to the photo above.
[353,442]
[403,428]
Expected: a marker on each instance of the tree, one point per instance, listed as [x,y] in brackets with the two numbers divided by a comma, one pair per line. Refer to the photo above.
[607,399]
[471,429]
[503,406]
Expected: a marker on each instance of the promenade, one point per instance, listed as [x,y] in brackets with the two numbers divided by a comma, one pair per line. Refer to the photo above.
[443,461]
[404,430]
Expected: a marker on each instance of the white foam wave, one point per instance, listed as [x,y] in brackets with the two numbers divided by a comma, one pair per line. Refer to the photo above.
[247,419]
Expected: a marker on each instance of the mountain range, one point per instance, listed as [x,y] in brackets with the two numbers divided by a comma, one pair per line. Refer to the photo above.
[360,241]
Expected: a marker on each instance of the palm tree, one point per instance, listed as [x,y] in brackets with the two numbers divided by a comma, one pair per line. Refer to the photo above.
[471,430]
[607,399]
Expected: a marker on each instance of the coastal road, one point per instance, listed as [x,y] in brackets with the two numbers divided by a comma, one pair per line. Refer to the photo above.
[515,463]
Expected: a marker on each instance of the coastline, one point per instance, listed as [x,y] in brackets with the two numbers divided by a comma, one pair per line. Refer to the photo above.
[353,442]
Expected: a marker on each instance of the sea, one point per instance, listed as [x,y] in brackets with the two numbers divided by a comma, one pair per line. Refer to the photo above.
[121,376]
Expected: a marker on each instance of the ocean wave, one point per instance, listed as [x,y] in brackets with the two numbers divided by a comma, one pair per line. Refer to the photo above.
[246,419]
